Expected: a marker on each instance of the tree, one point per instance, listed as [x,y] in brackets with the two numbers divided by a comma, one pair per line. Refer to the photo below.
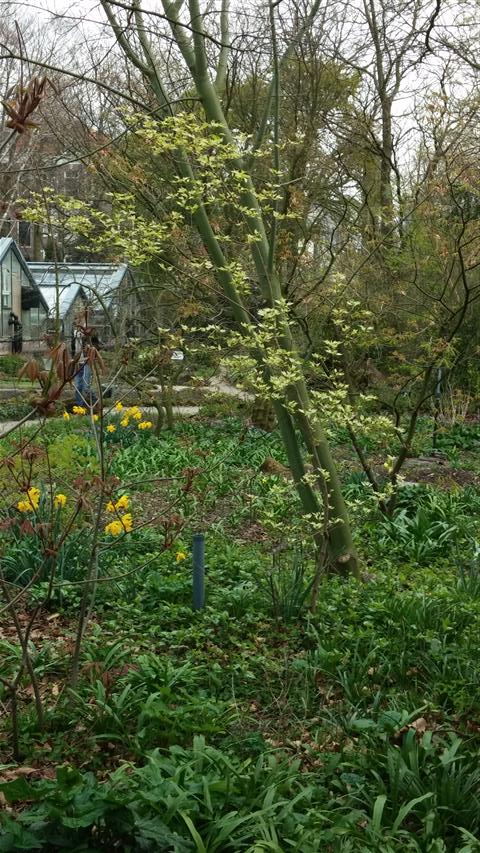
[201,62]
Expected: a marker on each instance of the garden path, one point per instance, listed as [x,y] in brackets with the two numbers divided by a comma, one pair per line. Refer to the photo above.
[221,385]
[7,425]
[182,411]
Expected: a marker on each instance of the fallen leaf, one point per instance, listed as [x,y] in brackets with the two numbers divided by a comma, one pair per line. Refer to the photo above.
[420,725]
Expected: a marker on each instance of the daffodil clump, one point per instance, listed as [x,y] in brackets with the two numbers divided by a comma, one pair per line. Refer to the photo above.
[123,523]
[78,410]
[32,500]
[30,504]
[129,416]
[132,413]
[122,503]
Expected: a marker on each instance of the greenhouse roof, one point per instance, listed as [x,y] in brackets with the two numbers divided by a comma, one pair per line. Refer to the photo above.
[67,296]
[90,280]
[33,291]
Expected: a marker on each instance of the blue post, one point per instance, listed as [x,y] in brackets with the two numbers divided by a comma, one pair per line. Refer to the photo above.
[198,558]
[438,397]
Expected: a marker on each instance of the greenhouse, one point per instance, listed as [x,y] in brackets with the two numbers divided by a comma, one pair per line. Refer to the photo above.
[24,310]
[106,291]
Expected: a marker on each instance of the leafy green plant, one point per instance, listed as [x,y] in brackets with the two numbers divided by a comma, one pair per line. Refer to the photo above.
[218,405]
[14,409]
[427,523]
[460,436]
[289,584]
[435,788]
[10,364]
[24,558]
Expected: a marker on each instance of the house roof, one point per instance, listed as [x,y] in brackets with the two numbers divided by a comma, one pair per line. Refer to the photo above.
[7,244]
[92,280]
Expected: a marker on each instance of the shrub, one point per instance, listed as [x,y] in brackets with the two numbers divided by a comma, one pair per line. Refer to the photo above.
[11,364]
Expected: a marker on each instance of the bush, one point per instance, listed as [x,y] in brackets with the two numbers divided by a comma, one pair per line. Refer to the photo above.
[14,409]
[218,405]
[11,364]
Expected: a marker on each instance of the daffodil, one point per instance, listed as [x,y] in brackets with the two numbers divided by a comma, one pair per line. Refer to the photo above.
[95,418]
[137,415]
[60,500]
[122,503]
[66,416]
[180,555]
[118,406]
[145,425]
[79,410]
[124,422]
[124,524]
[127,522]
[111,428]
[115,528]
[33,499]
[133,411]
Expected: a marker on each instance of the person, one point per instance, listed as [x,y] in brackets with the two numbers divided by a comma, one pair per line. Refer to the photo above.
[17,337]
[83,374]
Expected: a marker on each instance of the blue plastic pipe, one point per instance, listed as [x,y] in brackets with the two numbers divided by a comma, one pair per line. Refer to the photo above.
[198,558]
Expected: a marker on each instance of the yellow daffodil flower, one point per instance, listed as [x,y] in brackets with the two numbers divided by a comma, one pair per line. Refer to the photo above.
[60,500]
[33,499]
[127,522]
[111,428]
[124,422]
[118,406]
[180,555]
[79,410]
[122,525]
[66,416]
[115,528]
[145,425]
[122,503]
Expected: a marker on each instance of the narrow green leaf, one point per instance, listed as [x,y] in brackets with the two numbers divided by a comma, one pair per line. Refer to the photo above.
[405,810]
[378,812]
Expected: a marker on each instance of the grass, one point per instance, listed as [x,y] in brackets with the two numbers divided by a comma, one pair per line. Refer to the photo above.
[253,725]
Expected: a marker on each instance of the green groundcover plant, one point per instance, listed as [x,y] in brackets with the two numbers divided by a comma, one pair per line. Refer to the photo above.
[254,724]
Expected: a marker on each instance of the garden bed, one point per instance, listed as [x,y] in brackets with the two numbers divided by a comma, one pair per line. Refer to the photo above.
[357,722]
